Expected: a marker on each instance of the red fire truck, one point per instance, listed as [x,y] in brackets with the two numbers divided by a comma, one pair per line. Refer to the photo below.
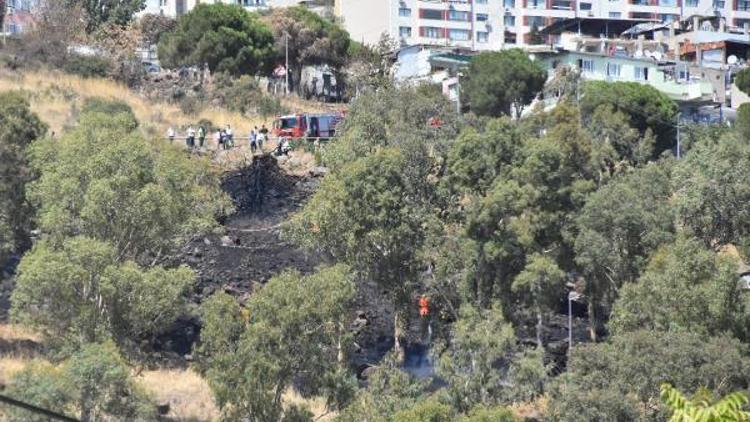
[322,125]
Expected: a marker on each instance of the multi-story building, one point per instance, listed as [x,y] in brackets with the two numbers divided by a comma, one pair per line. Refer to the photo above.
[18,16]
[495,24]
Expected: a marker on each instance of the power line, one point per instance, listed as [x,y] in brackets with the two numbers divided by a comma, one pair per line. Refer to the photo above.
[36,409]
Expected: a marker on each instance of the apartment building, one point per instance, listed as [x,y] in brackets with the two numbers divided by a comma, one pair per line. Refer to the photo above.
[494,24]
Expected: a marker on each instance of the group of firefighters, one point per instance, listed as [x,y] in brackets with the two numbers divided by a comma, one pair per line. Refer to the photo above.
[224,138]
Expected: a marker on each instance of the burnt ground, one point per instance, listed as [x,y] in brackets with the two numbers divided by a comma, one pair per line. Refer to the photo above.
[251,251]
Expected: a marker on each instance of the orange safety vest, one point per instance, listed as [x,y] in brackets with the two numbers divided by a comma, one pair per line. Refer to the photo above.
[424,306]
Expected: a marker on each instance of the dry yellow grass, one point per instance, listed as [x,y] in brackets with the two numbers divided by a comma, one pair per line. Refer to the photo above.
[316,405]
[57,96]
[11,332]
[11,365]
[188,395]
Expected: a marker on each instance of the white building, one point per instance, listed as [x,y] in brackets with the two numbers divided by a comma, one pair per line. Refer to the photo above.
[494,24]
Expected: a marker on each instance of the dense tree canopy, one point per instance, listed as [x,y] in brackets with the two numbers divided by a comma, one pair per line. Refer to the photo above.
[226,37]
[18,128]
[105,181]
[502,82]
[295,330]
[99,12]
[309,38]
[646,107]
[79,293]
[94,384]
[620,379]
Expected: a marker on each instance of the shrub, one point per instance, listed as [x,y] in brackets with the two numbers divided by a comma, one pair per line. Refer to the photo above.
[87,66]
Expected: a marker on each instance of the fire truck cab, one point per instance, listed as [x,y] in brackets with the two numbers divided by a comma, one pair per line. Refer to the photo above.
[294,126]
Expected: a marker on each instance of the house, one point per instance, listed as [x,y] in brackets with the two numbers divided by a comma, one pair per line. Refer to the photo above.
[19,16]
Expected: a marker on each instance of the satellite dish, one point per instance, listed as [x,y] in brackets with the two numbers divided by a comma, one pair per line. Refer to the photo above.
[732,59]
[657,55]
[638,54]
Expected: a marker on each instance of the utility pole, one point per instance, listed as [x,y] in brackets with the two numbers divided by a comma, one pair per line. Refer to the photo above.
[286,65]
[678,136]
[458,92]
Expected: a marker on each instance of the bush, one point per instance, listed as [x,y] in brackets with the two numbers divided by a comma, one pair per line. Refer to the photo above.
[87,66]
[110,107]
[742,124]
[742,80]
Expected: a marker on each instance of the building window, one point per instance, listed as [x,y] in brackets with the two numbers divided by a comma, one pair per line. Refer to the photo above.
[536,4]
[458,15]
[718,4]
[668,3]
[509,20]
[482,17]
[404,31]
[742,23]
[483,37]
[536,21]
[613,70]
[459,34]
[641,15]
[432,32]
[509,4]
[743,5]
[615,15]
[562,5]
[641,73]
[585,6]
[586,65]
[668,18]
[691,3]
[481,1]
[431,14]
[404,12]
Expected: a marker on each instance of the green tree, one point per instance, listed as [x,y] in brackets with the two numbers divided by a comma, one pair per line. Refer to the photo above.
[80,293]
[99,12]
[366,216]
[489,414]
[540,285]
[430,410]
[396,117]
[18,128]
[478,157]
[110,107]
[728,409]
[223,325]
[617,230]
[712,191]
[617,145]
[619,380]
[742,123]
[389,391]
[309,38]
[646,107]
[482,339]
[502,82]
[226,37]
[296,331]
[105,181]
[685,287]
[742,80]
[94,384]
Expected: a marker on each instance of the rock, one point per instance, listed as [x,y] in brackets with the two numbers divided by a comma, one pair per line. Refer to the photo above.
[226,241]
[188,357]
[206,241]
[197,253]
[318,171]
